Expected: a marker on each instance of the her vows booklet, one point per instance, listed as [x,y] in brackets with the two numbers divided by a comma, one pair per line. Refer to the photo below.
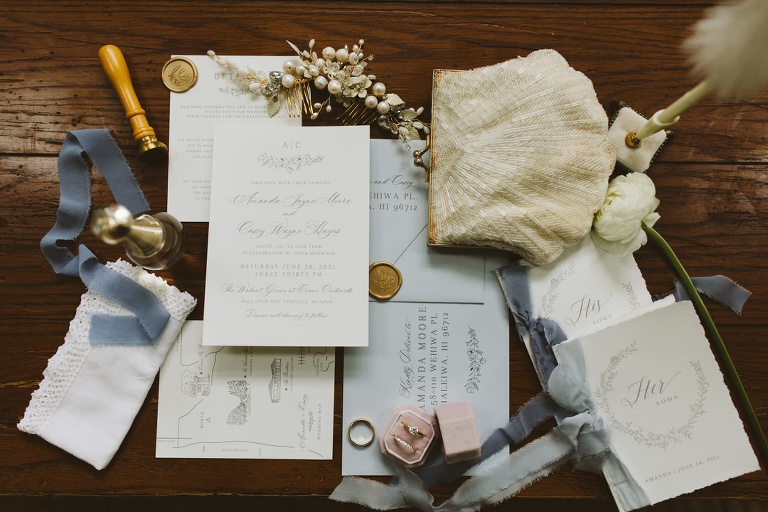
[654,379]
[288,240]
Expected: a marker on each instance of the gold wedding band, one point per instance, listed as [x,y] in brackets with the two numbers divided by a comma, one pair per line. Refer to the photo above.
[414,431]
[405,443]
[361,424]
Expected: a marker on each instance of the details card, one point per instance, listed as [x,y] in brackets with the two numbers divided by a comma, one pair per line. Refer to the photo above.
[654,379]
[215,99]
[288,240]
[244,402]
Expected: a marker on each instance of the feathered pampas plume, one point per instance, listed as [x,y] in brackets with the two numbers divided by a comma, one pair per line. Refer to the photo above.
[729,48]
[729,52]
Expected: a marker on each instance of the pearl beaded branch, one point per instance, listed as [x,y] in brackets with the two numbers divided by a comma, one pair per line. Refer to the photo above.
[342,73]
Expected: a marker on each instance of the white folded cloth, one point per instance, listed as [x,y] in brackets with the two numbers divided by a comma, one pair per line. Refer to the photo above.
[90,395]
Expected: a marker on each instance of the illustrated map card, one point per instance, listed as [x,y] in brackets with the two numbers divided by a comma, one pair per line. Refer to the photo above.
[444,339]
[398,221]
[215,99]
[244,402]
[288,237]
[654,380]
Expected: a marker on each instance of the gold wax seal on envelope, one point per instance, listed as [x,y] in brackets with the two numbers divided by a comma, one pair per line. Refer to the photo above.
[384,280]
[179,74]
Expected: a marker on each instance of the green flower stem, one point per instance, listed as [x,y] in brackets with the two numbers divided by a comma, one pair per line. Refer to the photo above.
[717,341]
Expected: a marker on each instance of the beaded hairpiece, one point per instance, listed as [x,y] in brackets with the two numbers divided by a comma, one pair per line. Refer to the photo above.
[342,74]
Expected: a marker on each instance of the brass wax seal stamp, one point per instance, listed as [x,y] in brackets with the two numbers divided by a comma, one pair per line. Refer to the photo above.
[384,280]
[114,65]
[179,74]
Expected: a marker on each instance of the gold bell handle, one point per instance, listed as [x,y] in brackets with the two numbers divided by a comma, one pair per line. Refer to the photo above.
[115,67]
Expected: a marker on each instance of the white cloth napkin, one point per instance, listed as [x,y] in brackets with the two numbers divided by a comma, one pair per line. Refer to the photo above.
[90,395]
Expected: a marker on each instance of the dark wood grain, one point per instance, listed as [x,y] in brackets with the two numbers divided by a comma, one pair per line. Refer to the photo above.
[711,180]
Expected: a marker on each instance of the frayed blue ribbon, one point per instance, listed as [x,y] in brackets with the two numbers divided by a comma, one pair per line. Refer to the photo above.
[580,435]
[149,316]
[719,288]
[543,333]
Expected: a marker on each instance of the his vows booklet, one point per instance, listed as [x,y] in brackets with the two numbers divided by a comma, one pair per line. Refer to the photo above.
[288,240]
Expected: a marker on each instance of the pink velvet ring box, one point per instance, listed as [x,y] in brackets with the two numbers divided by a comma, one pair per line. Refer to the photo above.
[408,436]
[458,428]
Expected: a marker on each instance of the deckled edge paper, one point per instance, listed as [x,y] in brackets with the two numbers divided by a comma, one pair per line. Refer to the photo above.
[655,380]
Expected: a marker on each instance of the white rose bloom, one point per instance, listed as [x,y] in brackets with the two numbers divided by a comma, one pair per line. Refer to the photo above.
[630,202]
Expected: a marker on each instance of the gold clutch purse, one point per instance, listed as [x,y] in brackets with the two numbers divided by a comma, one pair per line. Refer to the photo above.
[519,157]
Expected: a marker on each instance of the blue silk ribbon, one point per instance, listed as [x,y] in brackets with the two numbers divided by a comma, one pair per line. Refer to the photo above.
[542,333]
[148,315]
[718,288]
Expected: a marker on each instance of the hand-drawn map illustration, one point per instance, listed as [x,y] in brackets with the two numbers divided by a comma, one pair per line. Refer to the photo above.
[245,402]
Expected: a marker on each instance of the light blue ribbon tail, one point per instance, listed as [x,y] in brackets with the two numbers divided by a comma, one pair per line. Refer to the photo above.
[719,288]
[538,410]
[148,317]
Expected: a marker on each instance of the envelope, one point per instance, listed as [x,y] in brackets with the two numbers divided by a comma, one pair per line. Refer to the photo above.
[444,337]
[398,233]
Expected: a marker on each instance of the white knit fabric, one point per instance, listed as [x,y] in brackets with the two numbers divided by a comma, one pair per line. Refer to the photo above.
[90,395]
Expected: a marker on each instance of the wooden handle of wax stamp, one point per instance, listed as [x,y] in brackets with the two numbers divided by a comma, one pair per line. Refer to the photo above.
[114,65]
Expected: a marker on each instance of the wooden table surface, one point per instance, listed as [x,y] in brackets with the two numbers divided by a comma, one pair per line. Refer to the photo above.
[712,181]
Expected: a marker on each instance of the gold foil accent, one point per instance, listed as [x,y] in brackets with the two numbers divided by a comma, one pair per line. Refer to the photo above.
[179,74]
[384,280]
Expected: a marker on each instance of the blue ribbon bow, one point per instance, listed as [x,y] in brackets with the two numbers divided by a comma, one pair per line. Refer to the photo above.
[148,315]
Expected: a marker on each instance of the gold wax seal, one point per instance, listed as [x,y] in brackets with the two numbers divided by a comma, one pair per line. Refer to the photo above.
[384,280]
[179,74]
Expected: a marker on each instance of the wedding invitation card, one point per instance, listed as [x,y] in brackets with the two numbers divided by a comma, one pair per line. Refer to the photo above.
[654,380]
[423,350]
[215,99]
[244,402]
[288,240]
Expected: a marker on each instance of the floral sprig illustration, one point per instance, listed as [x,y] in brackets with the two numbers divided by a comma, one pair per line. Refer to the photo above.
[290,164]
